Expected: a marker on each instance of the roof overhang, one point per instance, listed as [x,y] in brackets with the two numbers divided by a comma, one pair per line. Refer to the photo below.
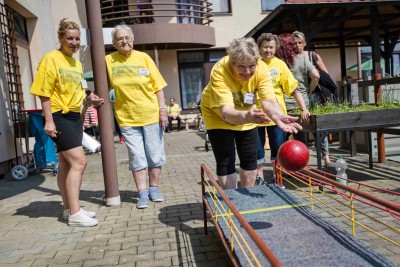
[331,23]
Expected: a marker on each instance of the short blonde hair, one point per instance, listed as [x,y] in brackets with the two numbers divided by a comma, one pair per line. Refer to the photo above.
[242,49]
[66,24]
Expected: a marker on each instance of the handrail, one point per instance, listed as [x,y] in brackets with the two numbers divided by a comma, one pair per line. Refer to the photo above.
[115,11]
[253,234]
[386,204]
[357,217]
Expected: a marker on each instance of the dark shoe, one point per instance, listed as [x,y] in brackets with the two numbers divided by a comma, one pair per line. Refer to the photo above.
[259,180]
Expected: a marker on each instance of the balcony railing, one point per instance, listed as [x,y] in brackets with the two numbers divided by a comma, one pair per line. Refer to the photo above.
[115,12]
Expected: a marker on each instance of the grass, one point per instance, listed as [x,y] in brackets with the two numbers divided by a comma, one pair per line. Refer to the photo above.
[331,108]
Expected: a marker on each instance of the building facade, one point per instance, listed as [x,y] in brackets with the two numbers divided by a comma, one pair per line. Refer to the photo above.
[184,37]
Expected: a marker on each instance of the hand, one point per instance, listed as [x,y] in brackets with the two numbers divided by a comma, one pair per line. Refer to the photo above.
[288,124]
[305,116]
[50,129]
[163,119]
[96,100]
[258,116]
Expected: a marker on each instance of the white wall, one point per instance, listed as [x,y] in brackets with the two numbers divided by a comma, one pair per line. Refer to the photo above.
[245,15]
[26,77]
[169,70]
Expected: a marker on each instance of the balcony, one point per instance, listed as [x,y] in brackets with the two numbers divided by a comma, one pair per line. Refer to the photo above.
[165,25]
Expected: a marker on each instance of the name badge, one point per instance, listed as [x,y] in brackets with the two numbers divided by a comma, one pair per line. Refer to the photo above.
[143,72]
[84,84]
[249,98]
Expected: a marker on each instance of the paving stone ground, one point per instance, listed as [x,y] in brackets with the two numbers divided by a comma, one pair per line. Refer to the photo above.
[164,234]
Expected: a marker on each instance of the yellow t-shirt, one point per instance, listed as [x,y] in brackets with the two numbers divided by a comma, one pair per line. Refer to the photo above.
[135,79]
[174,110]
[59,78]
[283,82]
[225,89]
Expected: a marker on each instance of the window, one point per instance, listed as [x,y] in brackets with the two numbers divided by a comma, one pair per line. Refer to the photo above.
[20,26]
[189,11]
[186,57]
[220,6]
[192,80]
[194,72]
[269,5]
[214,56]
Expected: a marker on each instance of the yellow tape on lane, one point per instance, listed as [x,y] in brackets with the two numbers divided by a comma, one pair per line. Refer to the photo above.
[263,210]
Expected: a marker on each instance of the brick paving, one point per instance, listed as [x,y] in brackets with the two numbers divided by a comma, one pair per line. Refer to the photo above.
[164,234]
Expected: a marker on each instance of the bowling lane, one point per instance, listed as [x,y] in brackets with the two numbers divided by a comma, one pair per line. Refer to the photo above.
[295,234]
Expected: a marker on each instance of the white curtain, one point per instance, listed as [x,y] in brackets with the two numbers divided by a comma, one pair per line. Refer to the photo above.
[219,5]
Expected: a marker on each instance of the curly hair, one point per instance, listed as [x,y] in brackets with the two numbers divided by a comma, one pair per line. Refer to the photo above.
[268,37]
[287,50]
[242,49]
[66,24]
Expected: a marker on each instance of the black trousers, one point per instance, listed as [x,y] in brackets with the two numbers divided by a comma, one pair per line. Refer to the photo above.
[223,143]
[170,119]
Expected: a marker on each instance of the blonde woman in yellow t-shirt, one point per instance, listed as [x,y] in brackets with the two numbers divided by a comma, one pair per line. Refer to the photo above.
[58,84]
[230,114]
[140,111]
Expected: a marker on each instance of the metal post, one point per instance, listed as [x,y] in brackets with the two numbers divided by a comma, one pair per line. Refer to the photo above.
[380,137]
[112,197]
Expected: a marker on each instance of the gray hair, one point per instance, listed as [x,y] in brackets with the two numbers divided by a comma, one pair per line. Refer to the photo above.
[242,49]
[268,37]
[299,35]
[122,27]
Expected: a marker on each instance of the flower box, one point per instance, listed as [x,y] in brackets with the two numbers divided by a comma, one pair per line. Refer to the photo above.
[353,120]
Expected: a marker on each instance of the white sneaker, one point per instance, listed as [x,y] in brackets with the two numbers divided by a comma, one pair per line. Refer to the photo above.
[81,219]
[67,212]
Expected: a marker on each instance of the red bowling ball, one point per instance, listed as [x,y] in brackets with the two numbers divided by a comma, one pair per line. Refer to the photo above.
[293,155]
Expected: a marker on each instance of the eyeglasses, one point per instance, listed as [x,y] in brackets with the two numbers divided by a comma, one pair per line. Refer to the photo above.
[124,38]
[242,68]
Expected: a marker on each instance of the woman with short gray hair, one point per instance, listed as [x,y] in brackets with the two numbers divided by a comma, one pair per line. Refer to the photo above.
[140,111]
[230,115]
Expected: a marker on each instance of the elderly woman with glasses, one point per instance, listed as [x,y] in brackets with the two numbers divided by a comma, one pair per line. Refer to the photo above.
[228,105]
[140,111]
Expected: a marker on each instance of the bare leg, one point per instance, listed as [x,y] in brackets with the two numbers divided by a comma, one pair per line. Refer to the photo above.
[228,182]
[140,179]
[76,159]
[154,175]
[247,178]
[63,169]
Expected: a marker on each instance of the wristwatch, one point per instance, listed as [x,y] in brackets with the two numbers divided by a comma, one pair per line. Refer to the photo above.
[163,106]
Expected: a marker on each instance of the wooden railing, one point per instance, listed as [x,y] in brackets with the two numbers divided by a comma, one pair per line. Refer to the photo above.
[114,12]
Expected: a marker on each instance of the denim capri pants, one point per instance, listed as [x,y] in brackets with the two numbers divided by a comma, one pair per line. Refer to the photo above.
[145,146]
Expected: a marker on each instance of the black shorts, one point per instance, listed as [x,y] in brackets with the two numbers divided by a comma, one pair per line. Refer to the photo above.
[223,143]
[70,130]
